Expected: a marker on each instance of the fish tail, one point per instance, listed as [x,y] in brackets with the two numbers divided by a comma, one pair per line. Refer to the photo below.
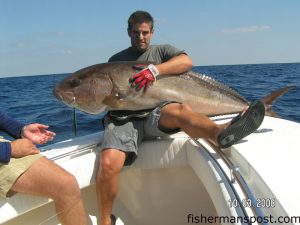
[272,97]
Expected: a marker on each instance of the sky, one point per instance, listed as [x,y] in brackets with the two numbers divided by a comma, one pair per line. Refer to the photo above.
[62,36]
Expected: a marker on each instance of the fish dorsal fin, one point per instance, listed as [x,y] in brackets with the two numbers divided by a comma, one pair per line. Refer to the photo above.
[209,80]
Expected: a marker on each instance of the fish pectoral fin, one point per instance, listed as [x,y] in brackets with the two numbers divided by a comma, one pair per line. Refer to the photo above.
[112,101]
[120,95]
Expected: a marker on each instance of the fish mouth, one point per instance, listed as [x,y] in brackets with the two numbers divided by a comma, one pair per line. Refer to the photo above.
[66,97]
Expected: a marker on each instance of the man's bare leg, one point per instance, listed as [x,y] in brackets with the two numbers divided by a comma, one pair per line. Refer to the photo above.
[196,125]
[45,178]
[107,182]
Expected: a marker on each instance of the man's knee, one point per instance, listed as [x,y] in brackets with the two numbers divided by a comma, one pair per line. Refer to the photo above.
[176,109]
[67,190]
[172,115]
[65,180]
[184,107]
[111,163]
[69,183]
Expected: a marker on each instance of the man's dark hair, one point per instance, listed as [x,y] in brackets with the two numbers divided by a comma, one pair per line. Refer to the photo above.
[140,17]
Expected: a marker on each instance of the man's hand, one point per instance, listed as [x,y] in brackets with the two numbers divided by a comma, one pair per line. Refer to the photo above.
[145,78]
[23,147]
[37,133]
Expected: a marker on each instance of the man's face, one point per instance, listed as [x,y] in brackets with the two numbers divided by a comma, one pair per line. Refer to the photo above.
[140,36]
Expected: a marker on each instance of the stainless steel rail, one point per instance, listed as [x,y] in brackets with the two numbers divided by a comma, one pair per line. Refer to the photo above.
[236,176]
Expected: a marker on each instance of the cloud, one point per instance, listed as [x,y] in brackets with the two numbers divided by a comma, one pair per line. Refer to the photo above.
[67,52]
[60,34]
[20,44]
[160,21]
[245,29]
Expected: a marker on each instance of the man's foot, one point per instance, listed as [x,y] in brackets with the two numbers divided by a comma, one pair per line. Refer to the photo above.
[112,221]
[242,125]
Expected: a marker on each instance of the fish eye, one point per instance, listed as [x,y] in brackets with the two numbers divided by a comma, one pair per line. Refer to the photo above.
[75,83]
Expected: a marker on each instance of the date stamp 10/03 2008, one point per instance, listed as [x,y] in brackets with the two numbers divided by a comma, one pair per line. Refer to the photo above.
[257,203]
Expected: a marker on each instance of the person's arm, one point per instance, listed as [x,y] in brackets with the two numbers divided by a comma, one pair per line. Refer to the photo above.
[35,132]
[10,125]
[16,149]
[5,152]
[13,128]
[176,65]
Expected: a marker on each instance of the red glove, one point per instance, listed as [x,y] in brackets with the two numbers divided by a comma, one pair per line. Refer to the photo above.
[145,77]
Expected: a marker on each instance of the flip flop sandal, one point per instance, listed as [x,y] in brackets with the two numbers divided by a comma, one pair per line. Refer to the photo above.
[242,125]
[113,219]
[236,118]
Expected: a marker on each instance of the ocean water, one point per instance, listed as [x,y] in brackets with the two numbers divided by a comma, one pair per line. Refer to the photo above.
[29,99]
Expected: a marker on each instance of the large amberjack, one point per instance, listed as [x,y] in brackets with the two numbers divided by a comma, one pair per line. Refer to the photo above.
[106,86]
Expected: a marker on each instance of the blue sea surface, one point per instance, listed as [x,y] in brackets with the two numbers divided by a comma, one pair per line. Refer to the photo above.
[29,99]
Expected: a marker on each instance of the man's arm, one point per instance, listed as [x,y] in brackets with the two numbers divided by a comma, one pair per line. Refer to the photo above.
[10,125]
[36,133]
[5,152]
[176,65]
[16,149]
[13,128]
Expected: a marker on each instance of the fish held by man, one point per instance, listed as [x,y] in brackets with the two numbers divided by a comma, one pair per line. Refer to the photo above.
[105,87]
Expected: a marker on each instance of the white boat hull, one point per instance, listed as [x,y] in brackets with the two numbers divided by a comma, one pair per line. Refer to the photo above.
[174,181]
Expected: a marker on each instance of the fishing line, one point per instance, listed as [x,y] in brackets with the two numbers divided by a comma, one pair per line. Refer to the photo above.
[74,122]
[74,118]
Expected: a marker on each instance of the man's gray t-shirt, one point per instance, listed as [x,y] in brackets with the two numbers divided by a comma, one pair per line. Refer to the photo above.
[155,53]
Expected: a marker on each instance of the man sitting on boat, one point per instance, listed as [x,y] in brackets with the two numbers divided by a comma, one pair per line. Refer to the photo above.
[24,170]
[122,138]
